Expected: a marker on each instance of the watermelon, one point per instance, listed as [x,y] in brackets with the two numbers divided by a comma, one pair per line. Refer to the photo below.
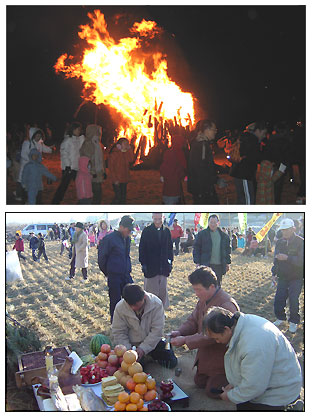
[97,341]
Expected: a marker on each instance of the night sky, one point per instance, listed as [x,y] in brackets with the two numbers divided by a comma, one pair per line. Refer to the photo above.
[241,62]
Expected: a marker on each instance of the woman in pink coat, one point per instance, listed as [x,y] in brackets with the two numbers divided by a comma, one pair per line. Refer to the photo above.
[84,181]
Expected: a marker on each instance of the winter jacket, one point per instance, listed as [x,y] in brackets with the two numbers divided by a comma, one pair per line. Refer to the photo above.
[129,331]
[19,245]
[210,354]
[173,168]
[80,250]
[265,183]
[176,232]
[203,246]
[69,151]
[250,153]
[293,267]
[114,254]
[33,242]
[83,179]
[33,171]
[41,244]
[261,364]
[93,149]
[118,165]
[240,242]
[202,173]
[155,251]
[26,148]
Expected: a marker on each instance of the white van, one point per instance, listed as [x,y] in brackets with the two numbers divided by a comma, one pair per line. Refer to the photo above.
[36,228]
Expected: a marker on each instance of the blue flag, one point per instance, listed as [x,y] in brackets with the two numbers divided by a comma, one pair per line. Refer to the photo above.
[171,218]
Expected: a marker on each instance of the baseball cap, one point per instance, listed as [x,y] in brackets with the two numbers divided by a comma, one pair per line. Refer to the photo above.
[286,224]
[127,221]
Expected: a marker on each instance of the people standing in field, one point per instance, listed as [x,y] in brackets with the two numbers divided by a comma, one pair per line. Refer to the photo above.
[261,366]
[69,159]
[156,258]
[83,181]
[212,248]
[41,248]
[173,171]
[288,270]
[119,160]
[33,245]
[176,234]
[139,321]
[241,241]
[210,373]
[32,174]
[64,238]
[19,246]
[92,238]
[114,260]
[103,231]
[189,241]
[93,149]
[79,252]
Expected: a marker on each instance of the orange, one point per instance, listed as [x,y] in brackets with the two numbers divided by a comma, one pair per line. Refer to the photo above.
[134,397]
[124,397]
[143,409]
[140,389]
[131,407]
[130,356]
[120,406]
[124,366]
[130,384]
[140,377]
[140,403]
[150,383]
[150,395]
[135,368]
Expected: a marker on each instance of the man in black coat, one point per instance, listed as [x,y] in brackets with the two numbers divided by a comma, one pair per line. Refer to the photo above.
[212,248]
[114,260]
[156,257]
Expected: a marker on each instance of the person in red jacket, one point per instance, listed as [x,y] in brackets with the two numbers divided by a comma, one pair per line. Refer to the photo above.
[172,171]
[176,234]
[120,157]
[19,246]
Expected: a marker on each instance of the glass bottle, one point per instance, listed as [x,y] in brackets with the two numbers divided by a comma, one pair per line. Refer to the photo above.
[48,352]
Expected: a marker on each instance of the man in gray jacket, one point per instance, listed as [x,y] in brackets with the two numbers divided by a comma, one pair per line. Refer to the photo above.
[139,321]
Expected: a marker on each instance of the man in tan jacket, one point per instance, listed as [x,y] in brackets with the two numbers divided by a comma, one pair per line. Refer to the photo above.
[210,355]
[139,321]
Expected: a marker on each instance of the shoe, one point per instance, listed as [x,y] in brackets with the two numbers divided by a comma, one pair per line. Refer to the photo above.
[292,327]
[278,322]
[69,278]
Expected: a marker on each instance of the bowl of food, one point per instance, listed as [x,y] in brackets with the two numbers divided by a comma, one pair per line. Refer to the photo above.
[92,375]
[158,405]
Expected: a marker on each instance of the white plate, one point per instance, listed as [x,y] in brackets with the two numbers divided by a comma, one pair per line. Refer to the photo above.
[91,385]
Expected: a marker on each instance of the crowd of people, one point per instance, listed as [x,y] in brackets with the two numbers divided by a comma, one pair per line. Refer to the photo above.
[258,159]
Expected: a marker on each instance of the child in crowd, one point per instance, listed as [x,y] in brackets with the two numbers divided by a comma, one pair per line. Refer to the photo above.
[32,177]
[33,245]
[19,246]
[41,248]
[84,181]
[241,241]
[120,157]
[92,238]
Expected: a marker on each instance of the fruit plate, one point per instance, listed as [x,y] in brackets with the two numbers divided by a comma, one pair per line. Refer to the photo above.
[91,385]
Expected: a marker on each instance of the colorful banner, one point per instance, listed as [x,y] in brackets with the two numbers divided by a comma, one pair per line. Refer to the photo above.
[242,218]
[204,220]
[171,218]
[262,233]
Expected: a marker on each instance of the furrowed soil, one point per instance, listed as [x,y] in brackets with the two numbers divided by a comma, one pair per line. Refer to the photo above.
[70,313]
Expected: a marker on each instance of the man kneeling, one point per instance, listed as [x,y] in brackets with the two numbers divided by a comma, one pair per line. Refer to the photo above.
[210,355]
[139,321]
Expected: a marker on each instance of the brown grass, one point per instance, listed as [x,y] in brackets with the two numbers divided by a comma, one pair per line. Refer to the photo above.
[70,313]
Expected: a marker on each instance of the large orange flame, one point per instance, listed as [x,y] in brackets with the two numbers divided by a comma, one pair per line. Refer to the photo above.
[115,73]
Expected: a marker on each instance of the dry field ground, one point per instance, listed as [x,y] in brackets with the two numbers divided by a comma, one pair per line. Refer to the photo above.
[144,186]
[70,313]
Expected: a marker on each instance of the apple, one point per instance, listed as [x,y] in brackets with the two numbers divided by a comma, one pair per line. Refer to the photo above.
[120,350]
[113,360]
[110,369]
[102,356]
[102,364]
[105,348]
[120,360]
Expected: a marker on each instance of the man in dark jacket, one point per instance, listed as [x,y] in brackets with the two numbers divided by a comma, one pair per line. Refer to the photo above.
[244,172]
[288,270]
[114,260]
[212,248]
[41,248]
[156,257]
[33,245]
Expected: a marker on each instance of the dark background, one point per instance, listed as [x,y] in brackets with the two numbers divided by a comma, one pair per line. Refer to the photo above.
[242,63]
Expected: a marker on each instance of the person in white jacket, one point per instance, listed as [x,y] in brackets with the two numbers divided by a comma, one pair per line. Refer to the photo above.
[35,141]
[260,364]
[139,321]
[69,150]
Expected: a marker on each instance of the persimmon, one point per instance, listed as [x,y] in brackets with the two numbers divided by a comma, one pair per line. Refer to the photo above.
[130,384]
[140,389]
[120,406]
[140,404]
[150,395]
[130,356]
[135,368]
[150,383]
[124,397]
[131,407]
[134,397]
[140,377]
[124,366]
